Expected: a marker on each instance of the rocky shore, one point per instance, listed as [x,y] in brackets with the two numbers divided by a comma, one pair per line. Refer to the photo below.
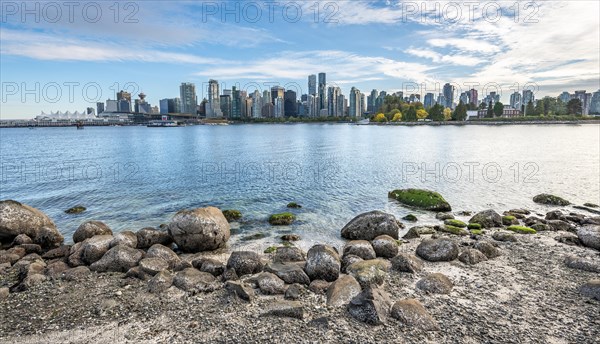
[495,276]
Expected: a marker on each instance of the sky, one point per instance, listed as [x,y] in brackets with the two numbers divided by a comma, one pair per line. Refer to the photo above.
[68,55]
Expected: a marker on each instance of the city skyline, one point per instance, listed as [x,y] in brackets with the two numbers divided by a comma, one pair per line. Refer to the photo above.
[169,44]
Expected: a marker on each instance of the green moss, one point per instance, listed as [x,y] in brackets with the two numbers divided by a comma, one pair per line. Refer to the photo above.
[76,209]
[455,223]
[422,199]
[232,215]
[521,229]
[294,205]
[477,231]
[398,242]
[474,226]
[509,220]
[453,230]
[550,200]
[287,244]
[271,249]
[282,219]
[410,217]
[590,205]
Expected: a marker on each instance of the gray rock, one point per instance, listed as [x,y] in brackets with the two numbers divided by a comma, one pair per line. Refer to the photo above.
[31,281]
[22,239]
[290,273]
[165,253]
[532,220]
[293,292]
[17,218]
[438,250]
[287,309]
[590,236]
[118,259]
[412,233]
[56,269]
[95,247]
[323,262]
[192,280]
[369,273]
[540,227]
[342,291]
[319,286]
[240,290]
[385,246]
[148,237]
[504,236]
[202,229]
[348,260]
[371,306]
[568,239]
[76,255]
[361,248]
[4,292]
[10,258]
[90,229]
[289,254]
[444,216]
[212,266]
[229,275]
[550,200]
[487,219]
[559,225]
[31,248]
[270,284]
[591,289]
[152,266]
[472,256]
[555,215]
[59,252]
[125,238]
[137,272]
[370,225]
[160,282]
[411,313]
[487,248]
[435,283]
[578,263]
[245,263]
[404,262]
[76,274]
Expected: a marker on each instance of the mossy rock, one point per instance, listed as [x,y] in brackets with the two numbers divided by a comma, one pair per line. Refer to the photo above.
[294,205]
[290,237]
[271,249]
[453,230]
[509,220]
[521,229]
[287,244]
[410,217]
[550,200]
[254,236]
[76,209]
[477,231]
[474,226]
[282,219]
[232,215]
[422,199]
[455,223]
[590,205]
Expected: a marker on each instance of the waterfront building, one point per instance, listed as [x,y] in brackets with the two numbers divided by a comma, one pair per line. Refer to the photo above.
[290,106]
[312,84]
[515,101]
[189,100]
[429,100]
[213,109]
[354,107]
[448,92]
[322,90]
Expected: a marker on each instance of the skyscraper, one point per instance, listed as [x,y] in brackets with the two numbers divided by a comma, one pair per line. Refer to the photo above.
[99,108]
[322,90]
[236,103]
[257,104]
[449,95]
[528,97]
[213,109]
[332,101]
[290,103]
[515,100]
[312,84]
[189,101]
[565,97]
[225,102]
[354,109]
[595,103]
[371,102]
[473,97]
[277,92]
[277,99]
[428,101]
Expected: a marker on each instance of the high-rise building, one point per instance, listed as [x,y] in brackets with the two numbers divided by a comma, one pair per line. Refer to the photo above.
[112,106]
[257,104]
[236,103]
[464,97]
[586,101]
[354,107]
[124,95]
[332,101]
[322,90]
[515,101]
[428,101]
[441,100]
[267,110]
[595,103]
[277,92]
[124,105]
[448,96]
[528,97]
[363,104]
[290,103]
[189,100]
[278,108]
[312,84]
[380,99]
[99,107]
[473,97]
[213,109]
[225,102]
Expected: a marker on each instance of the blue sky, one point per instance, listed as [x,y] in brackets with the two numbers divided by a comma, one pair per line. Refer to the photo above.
[153,46]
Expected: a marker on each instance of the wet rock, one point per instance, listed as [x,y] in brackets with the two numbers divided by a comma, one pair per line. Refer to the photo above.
[76,255]
[369,273]
[540,227]
[56,269]
[568,239]
[361,248]
[293,292]
[371,306]
[590,236]
[152,266]
[78,209]
[422,199]
[289,254]
[290,237]
[323,262]
[240,290]
[504,236]
[17,218]
[160,282]
[550,200]
[342,291]
[444,216]
[118,259]
[76,274]
[59,252]
[405,262]
[229,275]
[147,237]
[385,246]
[349,259]
[438,250]
[578,263]
[370,225]
[137,272]
[591,289]
[319,286]
[532,220]
[412,233]
[270,284]
[472,256]
[410,218]
[487,219]
[290,273]
[202,229]
[232,215]
[411,313]
[192,280]
[245,263]
[559,225]
[32,248]
[125,238]
[95,247]
[165,253]
[487,248]
[555,215]
[90,229]
[286,309]
[282,219]
[435,283]
[212,266]
[22,239]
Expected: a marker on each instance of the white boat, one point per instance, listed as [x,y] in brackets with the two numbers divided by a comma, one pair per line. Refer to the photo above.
[161,124]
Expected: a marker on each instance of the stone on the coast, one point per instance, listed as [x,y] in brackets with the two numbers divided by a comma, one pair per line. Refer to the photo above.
[504,236]
[137,272]
[368,226]
[319,286]
[568,239]
[444,216]
[293,292]
[550,200]
[202,229]
[232,215]
[152,266]
[369,272]
[289,254]
[56,269]
[118,259]
[160,282]
[146,237]
[342,291]
[76,209]
[282,219]
[422,199]
[385,246]
[58,252]
[286,309]
[270,284]
[95,247]
[472,256]
[411,313]
[165,253]
[591,289]
[438,250]
[347,260]
[17,218]
[589,235]
[371,306]
[245,262]
[290,273]
[322,262]
[361,248]
[212,266]
[560,225]
[487,219]
[405,262]
[76,274]
[4,292]
[435,283]
[192,280]
[22,239]
[125,238]
[487,248]
[240,290]
[579,263]
[90,229]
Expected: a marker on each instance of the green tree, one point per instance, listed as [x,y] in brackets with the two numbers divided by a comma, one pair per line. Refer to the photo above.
[498,109]
[574,107]
[390,115]
[539,108]
[490,111]
[561,107]
[411,114]
[529,109]
[436,113]
[482,106]
[460,113]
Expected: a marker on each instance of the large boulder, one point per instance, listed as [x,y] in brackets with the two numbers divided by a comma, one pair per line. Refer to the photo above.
[404,262]
[472,256]
[289,254]
[487,219]
[411,313]
[370,225]
[95,247]
[589,236]
[125,238]
[369,272]
[146,237]
[436,283]
[160,282]
[385,246]
[202,229]
[270,284]
[245,263]
[118,259]
[165,253]
[17,218]
[323,263]
[438,250]
[192,280]
[371,306]
[360,248]
[290,273]
[550,200]
[487,248]
[422,199]
[342,291]
[89,229]
[152,266]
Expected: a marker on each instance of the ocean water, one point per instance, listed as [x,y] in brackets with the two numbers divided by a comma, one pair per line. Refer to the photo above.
[135,177]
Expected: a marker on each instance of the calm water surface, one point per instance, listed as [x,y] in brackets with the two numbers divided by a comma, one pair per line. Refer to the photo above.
[133,177]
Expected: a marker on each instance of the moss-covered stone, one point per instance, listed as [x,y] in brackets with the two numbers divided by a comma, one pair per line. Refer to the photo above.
[453,230]
[477,231]
[410,217]
[270,249]
[508,220]
[474,226]
[455,223]
[590,205]
[232,215]
[550,200]
[76,209]
[294,205]
[422,199]
[282,219]
[254,236]
[521,229]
